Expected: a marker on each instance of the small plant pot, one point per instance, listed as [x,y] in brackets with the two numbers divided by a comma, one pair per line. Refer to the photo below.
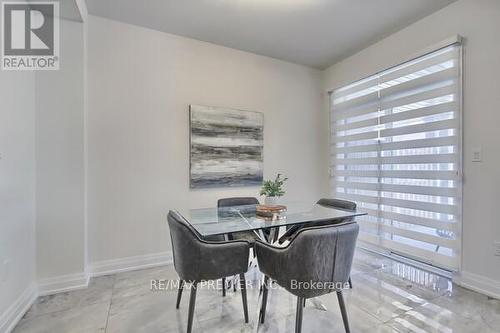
[271,201]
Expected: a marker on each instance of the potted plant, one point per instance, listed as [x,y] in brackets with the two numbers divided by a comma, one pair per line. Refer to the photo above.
[273,189]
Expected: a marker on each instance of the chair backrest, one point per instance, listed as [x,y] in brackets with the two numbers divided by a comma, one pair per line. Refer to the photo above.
[337,203]
[185,246]
[319,254]
[237,201]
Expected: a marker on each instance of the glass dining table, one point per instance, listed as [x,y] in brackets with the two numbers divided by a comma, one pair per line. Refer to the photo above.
[228,220]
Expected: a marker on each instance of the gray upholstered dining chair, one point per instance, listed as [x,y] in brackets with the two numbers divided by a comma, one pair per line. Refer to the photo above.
[242,201]
[325,202]
[197,260]
[337,203]
[249,236]
[315,255]
[239,201]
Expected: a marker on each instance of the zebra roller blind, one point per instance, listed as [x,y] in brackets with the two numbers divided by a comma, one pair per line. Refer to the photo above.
[396,151]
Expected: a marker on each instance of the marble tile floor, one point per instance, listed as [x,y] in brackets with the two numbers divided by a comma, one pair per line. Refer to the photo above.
[388,296]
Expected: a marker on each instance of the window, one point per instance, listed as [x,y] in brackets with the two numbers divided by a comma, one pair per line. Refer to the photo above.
[396,151]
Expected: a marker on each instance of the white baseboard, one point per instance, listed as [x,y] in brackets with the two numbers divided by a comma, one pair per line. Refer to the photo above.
[10,318]
[63,283]
[76,281]
[114,266]
[478,283]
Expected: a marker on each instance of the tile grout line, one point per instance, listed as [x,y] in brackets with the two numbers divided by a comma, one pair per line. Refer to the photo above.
[110,301]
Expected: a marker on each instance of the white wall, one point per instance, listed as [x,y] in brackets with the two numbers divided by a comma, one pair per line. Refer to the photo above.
[17,190]
[41,178]
[141,83]
[60,160]
[479,22]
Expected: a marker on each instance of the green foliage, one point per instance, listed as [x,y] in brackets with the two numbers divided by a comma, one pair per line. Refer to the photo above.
[274,188]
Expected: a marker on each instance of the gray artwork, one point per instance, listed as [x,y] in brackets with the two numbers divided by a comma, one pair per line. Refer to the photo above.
[226,147]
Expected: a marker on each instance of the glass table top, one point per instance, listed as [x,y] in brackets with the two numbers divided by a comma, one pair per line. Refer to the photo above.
[217,221]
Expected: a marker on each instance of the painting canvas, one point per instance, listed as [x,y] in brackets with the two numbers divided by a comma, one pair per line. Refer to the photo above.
[226,147]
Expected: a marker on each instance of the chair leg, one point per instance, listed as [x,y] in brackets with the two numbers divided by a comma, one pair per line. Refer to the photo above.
[343,311]
[179,293]
[265,290]
[192,301]
[298,316]
[223,287]
[350,283]
[243,285]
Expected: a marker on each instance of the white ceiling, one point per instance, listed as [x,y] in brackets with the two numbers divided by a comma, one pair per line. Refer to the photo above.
[316,33]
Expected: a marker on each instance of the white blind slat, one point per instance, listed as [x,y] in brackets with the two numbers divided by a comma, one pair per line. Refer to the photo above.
[405,174]
[355,137]
[418,143]
[347,112]
[420,83]
[417,66]
[448,225]
[421,112]
[417,113]
[445,57]
[426,127]
[419,97]
[411,204]
[411,159]
[424,190]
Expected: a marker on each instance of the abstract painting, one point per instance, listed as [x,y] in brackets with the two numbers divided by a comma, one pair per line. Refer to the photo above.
[226,147]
